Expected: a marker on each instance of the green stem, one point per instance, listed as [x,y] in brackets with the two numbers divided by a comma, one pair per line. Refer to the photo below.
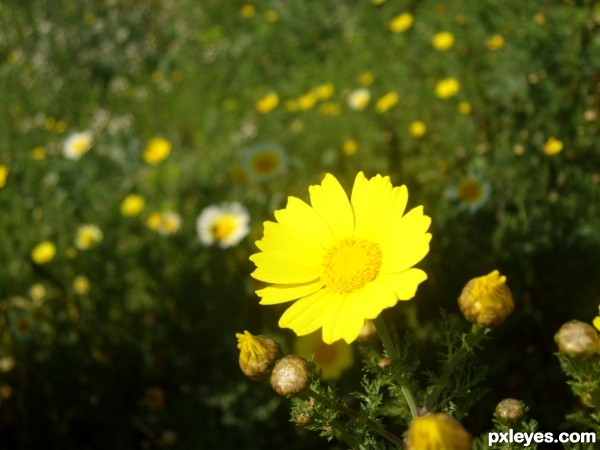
[472,339]
[373,424]
[392,352]
[345,436]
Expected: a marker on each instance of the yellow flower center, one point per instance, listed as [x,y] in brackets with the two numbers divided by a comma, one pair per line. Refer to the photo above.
[351,264]
[470,191]
[224,227]
[265,163]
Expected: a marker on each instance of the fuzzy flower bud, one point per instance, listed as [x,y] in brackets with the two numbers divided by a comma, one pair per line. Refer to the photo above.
[437,431]
[257,354]
[577,340]
[486,301]
[509,410]
[290,376]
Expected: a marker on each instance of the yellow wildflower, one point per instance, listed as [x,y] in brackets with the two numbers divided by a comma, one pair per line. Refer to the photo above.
[267,103]
[447,87]
[81,284]
[3,174]
[495,42]
[366,78]
[330,109]
[342,261]
[271,15]
[437,431]
[43,252]
[307,101]
[350,147]
[359,99]
[132,205]
[258,354]
[248,11]
[464,108]
[442,41]
[323,91]
[386,102]
[487,300]
[596,321]
[401,23]
[553,146]
[39,153]
[87,236]
[417,128]
[157,150]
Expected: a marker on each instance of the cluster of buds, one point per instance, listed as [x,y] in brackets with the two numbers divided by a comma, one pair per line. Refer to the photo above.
[260,358]
[486,301]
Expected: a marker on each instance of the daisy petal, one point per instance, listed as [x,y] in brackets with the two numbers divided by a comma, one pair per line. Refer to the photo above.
[305,221]
[343,319]
[331,202]
[281,293]
[404,284]
[306,314]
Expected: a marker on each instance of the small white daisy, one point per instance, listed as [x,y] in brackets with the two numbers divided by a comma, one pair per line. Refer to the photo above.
[225,225]
[77,144]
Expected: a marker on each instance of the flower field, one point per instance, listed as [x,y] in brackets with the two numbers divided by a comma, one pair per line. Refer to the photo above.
[324,180]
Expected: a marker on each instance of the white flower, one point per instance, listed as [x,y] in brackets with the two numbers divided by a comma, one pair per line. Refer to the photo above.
[87,236]
[226,224]
[359,99]
[77,144]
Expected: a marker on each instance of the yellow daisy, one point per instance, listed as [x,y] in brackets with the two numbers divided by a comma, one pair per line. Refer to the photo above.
[343,261]
[156,150]
[3,174]
[597,320]
[87,236]
[331,359]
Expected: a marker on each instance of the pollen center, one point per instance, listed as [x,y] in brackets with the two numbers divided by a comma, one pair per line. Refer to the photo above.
[351,264]
[470,191]
[223,227]
[265,163]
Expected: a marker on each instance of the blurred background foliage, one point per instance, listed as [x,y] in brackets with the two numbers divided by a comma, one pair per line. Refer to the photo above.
[130,344]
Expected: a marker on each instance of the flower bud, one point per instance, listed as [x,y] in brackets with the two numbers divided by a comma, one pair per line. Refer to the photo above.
[486,301]
[257,354]
[437,431]
[509,410]
[290,376]
[577,340]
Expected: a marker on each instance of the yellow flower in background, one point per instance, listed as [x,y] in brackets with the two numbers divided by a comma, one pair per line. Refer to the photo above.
[323,91]
[39,153]
[43,253]
[330,109]
[464,108]
[342,261]
[307,101]
[437,431]
[366,78]
[132,205]
[248,11]
[37,292]
[350,147]
[157,150]
[597,320]
[386,102]
[358,99]
[81,284]
[442,41]
[331,359]
[417,128]
[271,15]
[3,174]
[87,236]
[401,23]
[447,87]
[225,225]
[539,18]
[471,192]
[267,103]
[495,42]
[170,223]
[77,144]
[265,161]
[553,146]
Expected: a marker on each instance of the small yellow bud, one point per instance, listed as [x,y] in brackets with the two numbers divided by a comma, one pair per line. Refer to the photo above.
[437,431]
[509,410]
[257,354]
[291,376]
[486,301]
[577,340]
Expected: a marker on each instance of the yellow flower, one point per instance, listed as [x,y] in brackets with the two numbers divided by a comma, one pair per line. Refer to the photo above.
[323,91]
[87,236]
[442,41]
[417,128]
[248,11]
[386,102]
[464,108]
[43,252]
[81,284]
[307,101]
[77,144]
[265,161]
[37,292]
[164,223]
[258,354]
[366,78]
[553,146]
[437,431]
[539,18]
[401,23]
[342,261]
[330,109]
[39,153]
[597,320]
[487,300]
[331,359]
[3,174]
[156,150]
[225,225]
[132,205]
[267,103]
[495,42]
[359,99]
[447,87]
[271,16]
[350,147]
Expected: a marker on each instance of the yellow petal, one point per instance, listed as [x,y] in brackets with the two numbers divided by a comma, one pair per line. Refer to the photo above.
[286,292]
[285,244]
[306,314]
[331,203]
[272,270]
[597,322]
[304,220]
[376,205]
[374,297]
[404,284]
[343,319]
